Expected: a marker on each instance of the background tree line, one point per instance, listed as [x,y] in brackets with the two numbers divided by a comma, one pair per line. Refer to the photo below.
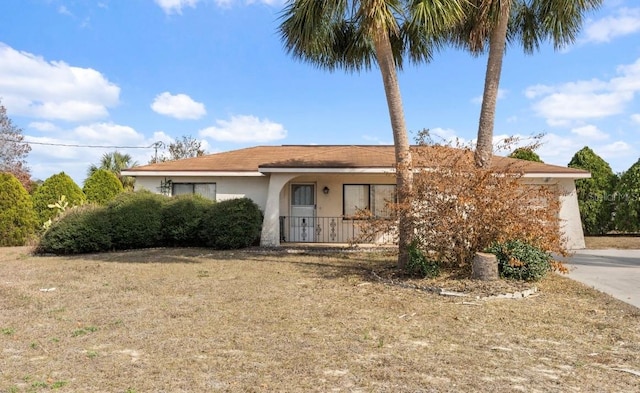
[609,202]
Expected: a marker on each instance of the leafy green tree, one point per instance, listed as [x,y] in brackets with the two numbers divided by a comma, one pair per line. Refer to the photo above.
[185,147]
[522,153]
[18,220]
[13,150]
[102,186]
[596,194]
[115,162]
[353,35]
[51,191]
[525,22]
[627,217]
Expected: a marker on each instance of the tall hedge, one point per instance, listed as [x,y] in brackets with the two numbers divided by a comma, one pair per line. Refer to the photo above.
[136,220]
[18,220]
[231,224]
[50,192]
[596,194]
[79,230]
[627,217]
[102,186]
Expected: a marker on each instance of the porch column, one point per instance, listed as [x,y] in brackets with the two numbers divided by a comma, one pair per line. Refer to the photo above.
[270,236]
[570,223]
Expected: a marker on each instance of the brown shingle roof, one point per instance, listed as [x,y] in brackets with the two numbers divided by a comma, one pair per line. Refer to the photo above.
[253,159]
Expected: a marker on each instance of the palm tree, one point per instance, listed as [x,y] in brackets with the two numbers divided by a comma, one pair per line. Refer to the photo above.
[353,34]
[526,22]
[115,162]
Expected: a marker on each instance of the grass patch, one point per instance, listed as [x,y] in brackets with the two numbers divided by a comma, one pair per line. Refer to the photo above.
[616,242]
[274,321]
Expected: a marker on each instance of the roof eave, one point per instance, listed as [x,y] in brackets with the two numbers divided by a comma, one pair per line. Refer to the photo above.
[193,173]
[325,170]
[565,175]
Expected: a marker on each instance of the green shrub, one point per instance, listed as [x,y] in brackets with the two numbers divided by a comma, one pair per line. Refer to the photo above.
[595,195]
[102,186]
[182,218]
[231,224]
[419,264]
[136,220]
[50,192]
[521,261]
[627,217]
[79,230]
[18,220]
[523,153]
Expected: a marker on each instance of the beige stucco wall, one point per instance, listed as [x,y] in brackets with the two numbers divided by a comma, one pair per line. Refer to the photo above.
[253,187]
[569,214]
[330,205]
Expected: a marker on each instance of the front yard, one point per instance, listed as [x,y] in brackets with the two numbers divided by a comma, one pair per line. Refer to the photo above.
[193,320]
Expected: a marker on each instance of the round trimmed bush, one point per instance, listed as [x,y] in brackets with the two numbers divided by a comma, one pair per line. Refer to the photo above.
[231,224]
[102,186]
[51,191]
[18,220]
[521,261]
[527,154]
[182,218]
[136,220]
[82,229]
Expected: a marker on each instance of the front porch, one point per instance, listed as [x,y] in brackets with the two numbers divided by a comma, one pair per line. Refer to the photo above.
[320,207]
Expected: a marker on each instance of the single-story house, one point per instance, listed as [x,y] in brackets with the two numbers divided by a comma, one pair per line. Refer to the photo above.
[308,192]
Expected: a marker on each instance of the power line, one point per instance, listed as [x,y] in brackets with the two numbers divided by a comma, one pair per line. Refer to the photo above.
[155,144]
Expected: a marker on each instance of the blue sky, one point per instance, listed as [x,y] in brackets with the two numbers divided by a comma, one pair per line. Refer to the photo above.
[133,72]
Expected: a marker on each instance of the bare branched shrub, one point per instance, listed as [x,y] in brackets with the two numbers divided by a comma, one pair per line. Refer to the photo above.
[459,209]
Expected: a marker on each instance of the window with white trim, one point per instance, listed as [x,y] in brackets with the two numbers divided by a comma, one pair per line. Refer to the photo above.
[205,190]
[372,197]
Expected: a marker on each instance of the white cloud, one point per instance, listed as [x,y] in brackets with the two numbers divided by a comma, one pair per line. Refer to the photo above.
[64,10]
[43,126]
[616,149]
[108,134]
[590,132]
[636,118]
[245,128]
[376,140]
[445,135]
[590,99]
[175,6]
[65,155]
[34,87]
[180,106]
[502,93]
[626,21]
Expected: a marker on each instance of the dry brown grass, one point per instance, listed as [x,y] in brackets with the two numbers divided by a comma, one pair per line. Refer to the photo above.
[619,242]
[192,320]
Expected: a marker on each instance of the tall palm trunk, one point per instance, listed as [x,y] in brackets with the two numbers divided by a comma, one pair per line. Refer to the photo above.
[497,42]
[404,167]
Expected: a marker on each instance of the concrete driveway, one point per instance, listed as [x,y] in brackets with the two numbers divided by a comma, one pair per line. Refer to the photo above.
[616,272]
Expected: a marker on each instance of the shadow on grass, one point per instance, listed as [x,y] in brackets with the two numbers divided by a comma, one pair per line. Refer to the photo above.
[326,263]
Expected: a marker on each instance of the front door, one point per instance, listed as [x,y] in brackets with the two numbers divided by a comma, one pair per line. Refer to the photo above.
[303,213]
